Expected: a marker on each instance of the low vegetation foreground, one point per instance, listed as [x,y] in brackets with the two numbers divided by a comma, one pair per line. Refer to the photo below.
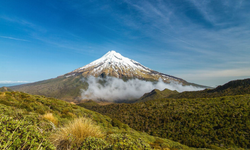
[37,122]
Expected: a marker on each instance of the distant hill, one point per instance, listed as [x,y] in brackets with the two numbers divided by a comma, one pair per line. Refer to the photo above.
[3,89]
[156,94]
[237,87]
[88,104]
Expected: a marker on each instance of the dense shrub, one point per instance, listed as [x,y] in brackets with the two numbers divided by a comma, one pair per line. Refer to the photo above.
[16,134]
[200,122]
[93,143]
[124,141]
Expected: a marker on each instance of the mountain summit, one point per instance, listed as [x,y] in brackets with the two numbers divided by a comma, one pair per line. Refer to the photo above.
[116,65]
[70,85]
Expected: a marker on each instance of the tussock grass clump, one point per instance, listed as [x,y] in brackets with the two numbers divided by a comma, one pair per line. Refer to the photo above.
[51,118]
[75,132]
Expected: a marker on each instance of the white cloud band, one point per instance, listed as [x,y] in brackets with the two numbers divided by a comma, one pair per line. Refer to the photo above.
[117,89]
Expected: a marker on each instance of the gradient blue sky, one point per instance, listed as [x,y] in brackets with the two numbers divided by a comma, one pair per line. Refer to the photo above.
[202,41]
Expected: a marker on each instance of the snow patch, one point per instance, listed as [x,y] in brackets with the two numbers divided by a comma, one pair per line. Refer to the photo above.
[67,76]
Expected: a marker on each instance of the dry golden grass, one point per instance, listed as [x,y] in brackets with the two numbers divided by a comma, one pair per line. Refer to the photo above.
[2,94]
[73,103]
[51,118]
[75,132]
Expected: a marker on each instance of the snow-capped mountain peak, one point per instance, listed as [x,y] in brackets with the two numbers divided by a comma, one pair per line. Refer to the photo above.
[113,54]
[114,64]
[114,57]
[115,60]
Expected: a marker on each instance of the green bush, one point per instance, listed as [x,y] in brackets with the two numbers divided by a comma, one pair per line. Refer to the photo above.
[92,143]
[116,123]
[16,134]
[123,141]
[111,142]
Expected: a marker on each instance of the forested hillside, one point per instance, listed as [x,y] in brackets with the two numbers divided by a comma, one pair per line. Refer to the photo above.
[198,122]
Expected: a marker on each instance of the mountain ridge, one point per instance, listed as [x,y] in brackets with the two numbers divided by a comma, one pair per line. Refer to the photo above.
[234,87]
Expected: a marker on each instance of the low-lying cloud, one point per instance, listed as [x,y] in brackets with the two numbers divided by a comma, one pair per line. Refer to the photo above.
[113,89]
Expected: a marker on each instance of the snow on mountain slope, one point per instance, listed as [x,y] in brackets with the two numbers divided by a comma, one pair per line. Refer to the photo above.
[112,59]
[116,65]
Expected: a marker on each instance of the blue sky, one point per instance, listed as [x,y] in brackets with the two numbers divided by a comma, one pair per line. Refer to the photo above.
[202,41]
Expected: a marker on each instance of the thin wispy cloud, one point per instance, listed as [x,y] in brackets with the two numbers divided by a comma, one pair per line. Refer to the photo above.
[166,35]
[200,45]
[213,77]
[12,38]
[219,73]
[24,23]
[203,8]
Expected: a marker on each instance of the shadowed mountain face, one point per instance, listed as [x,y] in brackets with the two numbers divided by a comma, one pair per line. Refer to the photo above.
[69,86]
[65,88]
